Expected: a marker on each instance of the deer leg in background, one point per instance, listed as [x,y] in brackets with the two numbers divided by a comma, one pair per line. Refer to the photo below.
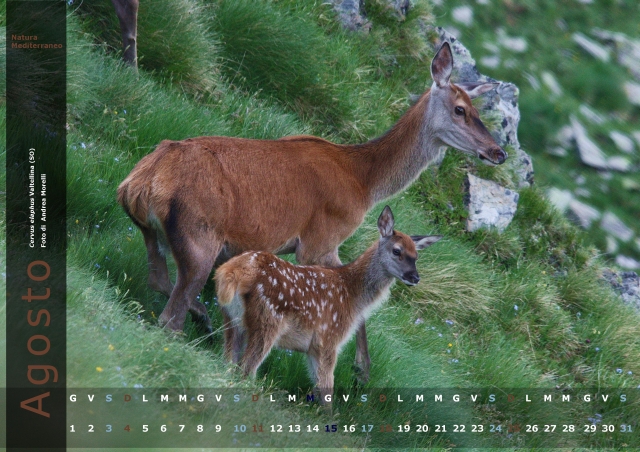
[157,262]
[363,361]
[127,12]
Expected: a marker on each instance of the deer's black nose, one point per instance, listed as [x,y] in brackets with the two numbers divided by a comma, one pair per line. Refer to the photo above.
[411,277]
[499,156]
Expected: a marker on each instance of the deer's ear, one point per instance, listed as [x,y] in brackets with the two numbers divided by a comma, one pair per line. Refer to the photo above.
[442,65]
[423,241]
[386,222]
[475,89]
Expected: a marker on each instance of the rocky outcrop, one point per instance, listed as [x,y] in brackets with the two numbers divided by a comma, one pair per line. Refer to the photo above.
[489,204]
[502,101]
[614,226]
[627,284]
[351,15]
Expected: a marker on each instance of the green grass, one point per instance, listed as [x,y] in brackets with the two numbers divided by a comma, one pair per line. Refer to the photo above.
[521,309]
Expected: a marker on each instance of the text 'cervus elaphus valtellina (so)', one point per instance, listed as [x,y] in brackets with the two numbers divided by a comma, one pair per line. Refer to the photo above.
[208,199]
[269,302]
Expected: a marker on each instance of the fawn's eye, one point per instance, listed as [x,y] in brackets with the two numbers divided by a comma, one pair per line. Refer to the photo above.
[459,111]
[396,252]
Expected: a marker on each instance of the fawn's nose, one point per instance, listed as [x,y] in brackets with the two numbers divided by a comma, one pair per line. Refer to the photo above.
[411,278]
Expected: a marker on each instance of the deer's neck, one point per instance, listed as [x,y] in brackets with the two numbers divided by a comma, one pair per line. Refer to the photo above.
[366,280]
[388,164]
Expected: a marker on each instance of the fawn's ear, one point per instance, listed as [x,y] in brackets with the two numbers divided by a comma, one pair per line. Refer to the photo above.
[475,89]
[423,241]
[386,222]
[442,66]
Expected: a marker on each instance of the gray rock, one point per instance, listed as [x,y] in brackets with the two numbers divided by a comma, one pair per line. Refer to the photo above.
[492,61]
[489,204]
[627,284]
[551,82]
[614,226]
[619,163]
[351,15]
[627,49]
[590,153]
[565,136]
[590,114]
[592,47]
[633,92]
[627,262]
[560,198]
[514,43]
[463,15]
[558,151]
[622,141]
[582,192]
[582,213]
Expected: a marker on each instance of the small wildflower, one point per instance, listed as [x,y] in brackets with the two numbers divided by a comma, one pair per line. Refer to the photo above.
[124,111]
[588,341]
[515,307]
[112,328]
[629,373]
[99,369]
[153,314]
[206,303]
[131,228]
[439,334]
[97,226]
[111,347]
[77,221]
[597,349]
[97,265]
[449,322]
[418,321]
[450,344]
[448,351]
[116,159]
[579,314]
[166,349]
[84,146]
[618,370]
[544,272]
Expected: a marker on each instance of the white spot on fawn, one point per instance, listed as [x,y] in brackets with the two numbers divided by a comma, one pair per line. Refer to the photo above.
[323,286]
[280,296]
[330,294]
[291,291]
[260,289]
[335,316]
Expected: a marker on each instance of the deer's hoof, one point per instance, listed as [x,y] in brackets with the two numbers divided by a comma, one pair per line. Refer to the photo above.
[362,375]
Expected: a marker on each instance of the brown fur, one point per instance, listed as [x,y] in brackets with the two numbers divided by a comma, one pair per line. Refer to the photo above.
[311,309]
[211,198]
[127,12]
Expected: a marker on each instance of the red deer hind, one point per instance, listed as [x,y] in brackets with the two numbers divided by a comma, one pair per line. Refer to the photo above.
[208,199]
[267,301]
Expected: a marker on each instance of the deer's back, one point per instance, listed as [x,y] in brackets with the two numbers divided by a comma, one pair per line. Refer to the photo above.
[256,194]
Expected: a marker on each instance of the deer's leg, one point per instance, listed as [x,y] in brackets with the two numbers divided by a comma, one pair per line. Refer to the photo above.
[127,12]
[327,359]
[157,263]
[229,336]
[363,361]
[194,258]
[259,344]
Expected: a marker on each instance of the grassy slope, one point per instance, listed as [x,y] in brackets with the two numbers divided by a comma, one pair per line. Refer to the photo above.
[583,80]
[469,333]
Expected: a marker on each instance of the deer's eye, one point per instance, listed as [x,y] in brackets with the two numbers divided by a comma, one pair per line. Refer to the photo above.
[396,252]
[459,111]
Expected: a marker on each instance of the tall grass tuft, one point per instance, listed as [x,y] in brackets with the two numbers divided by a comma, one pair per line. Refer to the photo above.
[174,40]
